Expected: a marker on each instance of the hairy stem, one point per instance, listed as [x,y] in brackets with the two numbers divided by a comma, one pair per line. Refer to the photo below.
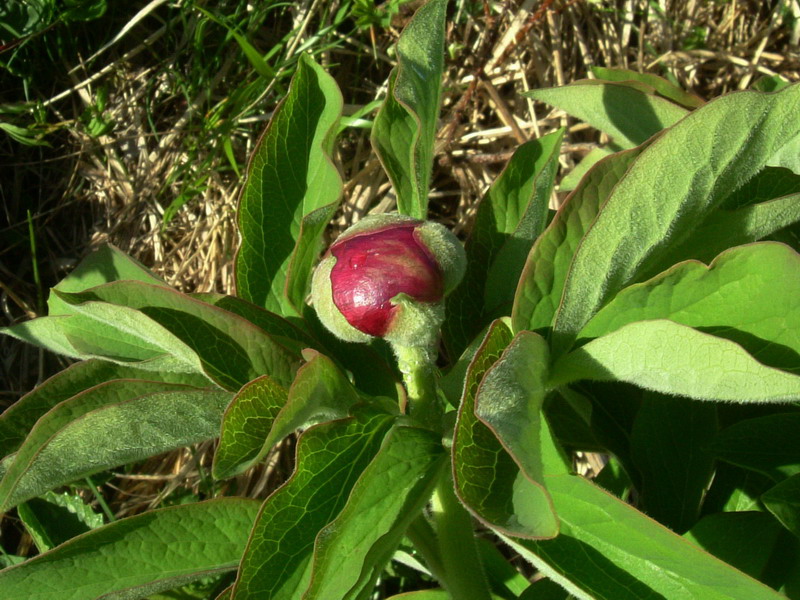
[416,363]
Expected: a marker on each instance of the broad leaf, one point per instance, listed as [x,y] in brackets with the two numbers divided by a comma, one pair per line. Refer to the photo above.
[666,357]
[675,183]
[18,419]
[107,426]
[330,459]
[487,480]
[747,294]
[405,127]
[660,85]
[783,501]
[768,444]
[352,551]
[768,184]
[542,282]
[626,112]
[608,550]
[230,349]
[512,214]
[291,192]
[669,448]
[138,556]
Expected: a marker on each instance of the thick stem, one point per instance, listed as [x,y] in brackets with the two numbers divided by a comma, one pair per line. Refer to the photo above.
[464,576]
[416,363]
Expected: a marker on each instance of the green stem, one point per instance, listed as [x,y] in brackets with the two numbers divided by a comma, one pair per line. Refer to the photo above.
[464,576]
[416,363]
[424,540]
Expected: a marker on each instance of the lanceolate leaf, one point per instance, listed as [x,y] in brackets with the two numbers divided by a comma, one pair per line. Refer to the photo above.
[138,556]
[18,419]
[404,129]
[748,295]
[509,219]
[666,357]
[56,518]
[277,561]
[352,551]
[629,115]
[487,480]
[607,550]
[108,426]
[676,182]
[659,85]
[542,282]
[290,176]
[245,426]
[230,349]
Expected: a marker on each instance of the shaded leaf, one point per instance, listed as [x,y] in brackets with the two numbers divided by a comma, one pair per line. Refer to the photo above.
[783,501]
[54,519]
[768,444]
[660,85]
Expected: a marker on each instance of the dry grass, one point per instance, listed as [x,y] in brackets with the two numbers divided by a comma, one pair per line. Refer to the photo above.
[116,187]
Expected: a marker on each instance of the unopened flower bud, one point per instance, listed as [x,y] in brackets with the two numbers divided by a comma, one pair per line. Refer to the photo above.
[387,276]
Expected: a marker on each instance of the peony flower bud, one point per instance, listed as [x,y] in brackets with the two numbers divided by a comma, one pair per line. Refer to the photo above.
[386,276]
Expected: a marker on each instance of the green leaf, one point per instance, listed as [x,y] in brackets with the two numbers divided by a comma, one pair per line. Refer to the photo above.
[768,184]
[627,113]
[330,459]
[509,401]
[292,186]
[768,444]
[666,357]
[570,181]
[609,550]
[110,425]
[405,127]
[487,480]
[352,551]
[747,295]
[660,85]
[18,419]
[668,446]
[783,501]
[245,426]
[56,518]
[542,281]
[230,349]
[746,540]
[672,186]
[512,214]
[138,556]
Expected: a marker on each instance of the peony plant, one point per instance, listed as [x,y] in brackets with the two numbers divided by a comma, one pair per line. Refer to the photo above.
[441,392]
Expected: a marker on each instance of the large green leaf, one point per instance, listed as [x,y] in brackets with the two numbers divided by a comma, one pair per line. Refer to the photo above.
[230,349]
[625,111]
[659,85]
[18,419]
[747,294]
[330,459]
[352,551]
[291,192]
[669,448]
[405,127]
[607,550]
[110,425]
[767,444]
[542,282]
[138,556]
[677,181]
[512,214]
[487,480]
[666,357]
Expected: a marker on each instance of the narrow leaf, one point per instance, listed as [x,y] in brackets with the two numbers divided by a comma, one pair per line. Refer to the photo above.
[330,459]
[405,127]
[352,551]
[290,175]
[659,84]
[487,480]
[627,114]
[676,182]
[56,518]
[747,294]
[607,550]
[666,357]
[138,556]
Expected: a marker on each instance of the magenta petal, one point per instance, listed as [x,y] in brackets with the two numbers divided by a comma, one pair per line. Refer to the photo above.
[372,268]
